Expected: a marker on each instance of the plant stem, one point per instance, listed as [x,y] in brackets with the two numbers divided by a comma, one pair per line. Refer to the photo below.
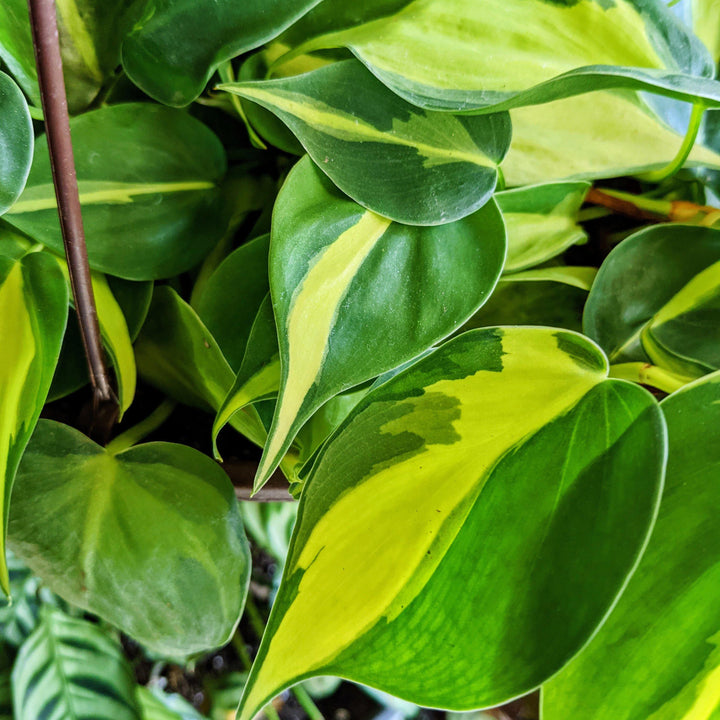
[652,375]
[239,644]
[135,434]
[43,20]
[256,621]
[306,703]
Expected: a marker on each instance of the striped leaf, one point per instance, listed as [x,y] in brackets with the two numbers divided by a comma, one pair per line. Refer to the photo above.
[509,487]
[69,669]
[355,294]
[166,56]
[498,54]
[541,222]
[148,538]
[148,180]
[657,656]
[601,134]
[657,299]
[407,164]
[33,314]
[16,142]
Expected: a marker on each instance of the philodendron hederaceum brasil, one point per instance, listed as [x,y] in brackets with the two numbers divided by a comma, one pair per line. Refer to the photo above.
[377,248]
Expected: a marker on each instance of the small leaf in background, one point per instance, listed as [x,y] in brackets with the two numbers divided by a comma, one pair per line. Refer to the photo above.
[166,57]
[16,142]
[657,655]
[156,705]
[355,294]
[477,54]
[541,222]
[150,538]
[149,186]
[407,164]
[657,299]
[577,276]
[69,668]
[33,315]
[510,488]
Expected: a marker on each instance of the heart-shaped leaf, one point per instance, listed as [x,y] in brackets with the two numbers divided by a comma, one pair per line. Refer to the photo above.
[663,633]
[148,538]
[356,294]
[148,179]
[480,579]
[16,142]
[407,164]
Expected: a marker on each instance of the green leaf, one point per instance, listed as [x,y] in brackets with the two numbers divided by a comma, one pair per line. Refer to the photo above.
[16,49]
[148,538]
[6,699]
[355,294]
[600,134]
[148,179]
[69,669]
[579,277]
[166,56]
[657,299]
[33,315]
[407,164]
[510,488]
[479,55]
[156,705]
[703,16]
[16,142]
[541,222]
[664,632]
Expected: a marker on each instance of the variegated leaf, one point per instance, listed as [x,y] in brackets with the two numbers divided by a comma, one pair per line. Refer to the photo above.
[657,656]
[510,488]
[407,164]
[356,294]
[16,142]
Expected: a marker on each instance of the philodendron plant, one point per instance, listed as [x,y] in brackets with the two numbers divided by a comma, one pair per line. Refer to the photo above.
[450,267]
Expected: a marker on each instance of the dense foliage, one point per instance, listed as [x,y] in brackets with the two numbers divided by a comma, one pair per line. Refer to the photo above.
[449,266]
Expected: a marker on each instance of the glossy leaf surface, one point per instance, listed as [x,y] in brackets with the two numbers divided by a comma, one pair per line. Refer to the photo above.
[33,314]
[169,60]
[431,461]
[16,142]
[69,669]
[149,539]
[355,294]
[657,298]
[150,195]
[407,164]
[657,656]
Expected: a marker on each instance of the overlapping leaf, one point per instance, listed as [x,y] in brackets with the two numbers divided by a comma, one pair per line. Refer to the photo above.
[657,656]
[148,180]
[355,294]
[148,538]
[449,601]
[657,299]
[169,60]
[407,164]
[16,142]
[70,669]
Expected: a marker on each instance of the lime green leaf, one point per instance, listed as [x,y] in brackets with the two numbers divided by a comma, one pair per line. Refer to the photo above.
[703,16]
[412,166]
[448,602]
[356,295]
[148,180]
[16,142]
[657,299]
[600,134]
[70,669]
[33,314]
[579,277]
[499,54]
[664,632]
[149,539]
[171,62]
[541,222]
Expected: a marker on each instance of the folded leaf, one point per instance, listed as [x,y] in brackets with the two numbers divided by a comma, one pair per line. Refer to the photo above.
[150,538]
[356,294]
[33,314]
[16,142]
[480,578]
[409,165]
[148,179]
[657,655]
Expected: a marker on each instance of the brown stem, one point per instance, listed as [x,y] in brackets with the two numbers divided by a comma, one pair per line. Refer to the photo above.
[43,20]
[242,474]
[622,207]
